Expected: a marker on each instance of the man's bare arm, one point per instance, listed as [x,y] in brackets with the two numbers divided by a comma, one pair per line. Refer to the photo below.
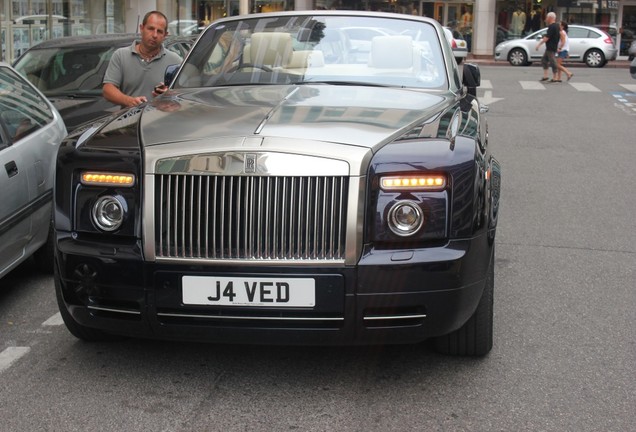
[112,94]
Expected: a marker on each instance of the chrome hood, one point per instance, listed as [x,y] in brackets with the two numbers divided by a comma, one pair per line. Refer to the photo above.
[360,116]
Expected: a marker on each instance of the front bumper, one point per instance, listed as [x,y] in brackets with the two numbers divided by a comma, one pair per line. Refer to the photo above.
[389,297]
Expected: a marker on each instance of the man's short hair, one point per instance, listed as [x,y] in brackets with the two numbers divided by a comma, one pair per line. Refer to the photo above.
[145,20]
[551,15]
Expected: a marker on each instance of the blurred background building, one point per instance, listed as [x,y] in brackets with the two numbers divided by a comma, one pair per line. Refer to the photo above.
[483,23]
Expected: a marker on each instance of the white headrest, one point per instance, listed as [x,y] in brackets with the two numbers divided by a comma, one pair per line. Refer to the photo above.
[391,52]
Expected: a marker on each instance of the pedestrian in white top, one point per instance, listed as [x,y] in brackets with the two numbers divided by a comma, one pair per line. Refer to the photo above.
[562,52]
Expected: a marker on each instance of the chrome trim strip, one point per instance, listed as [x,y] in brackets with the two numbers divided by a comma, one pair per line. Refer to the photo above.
[261,318]
[355,219]
[394,317]
[279,156]
[232,163]
[148,217]
[105,309]
[253,261]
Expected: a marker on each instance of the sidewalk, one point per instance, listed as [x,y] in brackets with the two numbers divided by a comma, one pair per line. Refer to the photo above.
[486,61]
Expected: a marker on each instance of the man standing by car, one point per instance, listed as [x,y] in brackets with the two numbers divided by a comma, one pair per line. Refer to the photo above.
[551,41]
[135,73]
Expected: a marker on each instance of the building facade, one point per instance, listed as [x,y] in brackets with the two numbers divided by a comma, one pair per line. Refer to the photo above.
[483,23]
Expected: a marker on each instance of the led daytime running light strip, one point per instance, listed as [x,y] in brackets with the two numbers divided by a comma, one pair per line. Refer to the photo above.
[414,182]
[107,179]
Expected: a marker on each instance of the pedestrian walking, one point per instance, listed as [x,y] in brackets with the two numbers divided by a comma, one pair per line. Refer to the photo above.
[562,52]
[135,73]
[551,41]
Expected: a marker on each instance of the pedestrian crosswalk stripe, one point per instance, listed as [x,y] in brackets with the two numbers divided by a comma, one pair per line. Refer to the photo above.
[55,320]
[538,85]
[629,87]
[10,355]
[532,85]
[584,87]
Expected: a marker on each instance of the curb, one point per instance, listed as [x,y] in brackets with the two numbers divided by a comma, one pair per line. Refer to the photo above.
[614,64]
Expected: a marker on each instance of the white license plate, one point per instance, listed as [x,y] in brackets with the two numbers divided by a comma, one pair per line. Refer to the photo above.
[239,291]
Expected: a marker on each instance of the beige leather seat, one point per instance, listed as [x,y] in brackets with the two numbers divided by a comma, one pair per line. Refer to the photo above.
[272,49]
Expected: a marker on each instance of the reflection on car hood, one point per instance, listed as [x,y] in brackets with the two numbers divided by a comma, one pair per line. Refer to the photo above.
[75,111]
[355,115]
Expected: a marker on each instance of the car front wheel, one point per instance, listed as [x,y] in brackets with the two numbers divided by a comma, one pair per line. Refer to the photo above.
[518,57]
[594,58]
[475,337]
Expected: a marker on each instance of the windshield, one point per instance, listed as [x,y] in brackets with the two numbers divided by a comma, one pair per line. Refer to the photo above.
[63,71]
[329,49]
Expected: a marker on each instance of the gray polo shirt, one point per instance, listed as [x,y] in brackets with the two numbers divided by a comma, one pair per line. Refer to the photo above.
[135,77]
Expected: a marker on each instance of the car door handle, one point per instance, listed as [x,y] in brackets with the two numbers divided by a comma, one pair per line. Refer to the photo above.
[12,168]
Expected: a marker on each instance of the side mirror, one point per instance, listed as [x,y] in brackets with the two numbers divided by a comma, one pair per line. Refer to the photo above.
[170,73]
[471,78]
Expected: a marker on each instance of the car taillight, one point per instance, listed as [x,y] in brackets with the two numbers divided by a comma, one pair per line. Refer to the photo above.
[608,40]
[454,44]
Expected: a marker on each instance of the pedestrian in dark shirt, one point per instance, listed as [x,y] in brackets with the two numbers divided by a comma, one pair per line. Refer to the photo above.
[551,41]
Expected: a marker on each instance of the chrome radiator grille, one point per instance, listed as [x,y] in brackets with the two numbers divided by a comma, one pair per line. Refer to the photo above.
[250,217]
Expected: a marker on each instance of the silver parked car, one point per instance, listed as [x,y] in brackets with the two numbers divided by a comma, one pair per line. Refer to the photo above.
[31,130]
[631,52]
[589,45]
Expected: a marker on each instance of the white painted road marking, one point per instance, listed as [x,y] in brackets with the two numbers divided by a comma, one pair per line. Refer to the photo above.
[629,87]
[10,355]
[55,320]
[488,99]
[584,87]
[486,85]
[532,85]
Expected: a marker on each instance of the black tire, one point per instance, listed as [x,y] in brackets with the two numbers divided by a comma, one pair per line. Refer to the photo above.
[475,337]
[518,57]
[84,333]
[594,58]
[44,257]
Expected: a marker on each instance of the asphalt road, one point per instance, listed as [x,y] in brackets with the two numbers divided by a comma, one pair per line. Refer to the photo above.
[565,320]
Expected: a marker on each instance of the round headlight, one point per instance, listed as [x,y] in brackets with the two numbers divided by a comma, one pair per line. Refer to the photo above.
[109,212]
[405,218]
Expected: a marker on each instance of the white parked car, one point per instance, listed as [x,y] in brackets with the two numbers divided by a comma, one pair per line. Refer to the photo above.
[458,44]
[589,45]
